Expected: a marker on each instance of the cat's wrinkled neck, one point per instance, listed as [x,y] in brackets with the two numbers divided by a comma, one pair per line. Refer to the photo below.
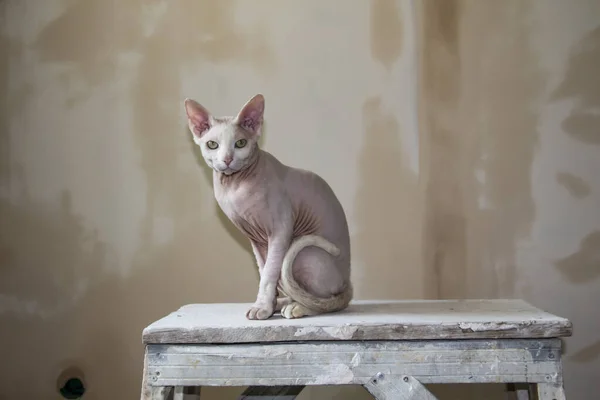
[243,174]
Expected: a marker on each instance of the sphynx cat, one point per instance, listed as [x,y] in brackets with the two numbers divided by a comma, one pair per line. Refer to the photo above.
[293,219]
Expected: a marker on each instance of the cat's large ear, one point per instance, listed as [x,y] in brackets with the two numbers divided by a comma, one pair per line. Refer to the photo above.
[198,117]
[251,115]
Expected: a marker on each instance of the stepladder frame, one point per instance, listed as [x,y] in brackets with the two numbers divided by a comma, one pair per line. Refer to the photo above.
[531,361]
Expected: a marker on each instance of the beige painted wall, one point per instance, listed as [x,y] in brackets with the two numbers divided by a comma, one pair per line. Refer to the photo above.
[460,137]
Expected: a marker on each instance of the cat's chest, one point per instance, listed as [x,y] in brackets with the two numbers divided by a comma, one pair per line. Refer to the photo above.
[247,209]
[238,201]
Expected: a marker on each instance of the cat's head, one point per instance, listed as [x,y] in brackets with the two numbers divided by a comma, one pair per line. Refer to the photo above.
[228,144]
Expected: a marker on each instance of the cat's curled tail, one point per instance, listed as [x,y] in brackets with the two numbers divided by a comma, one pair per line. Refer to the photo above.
[291,287]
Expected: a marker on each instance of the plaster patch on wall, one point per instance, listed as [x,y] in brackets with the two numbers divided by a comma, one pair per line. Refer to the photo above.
[483,201]
[127,64]
[163,231]
[584,61]
[26,308]
[386,31]
[575,185]
[400,67]
[389,209]
[584,264]
[151,15]
[37,15]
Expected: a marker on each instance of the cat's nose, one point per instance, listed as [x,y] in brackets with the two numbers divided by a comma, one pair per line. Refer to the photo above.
[228,160]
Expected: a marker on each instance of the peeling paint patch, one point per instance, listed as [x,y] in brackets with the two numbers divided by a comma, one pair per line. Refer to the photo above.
[275,352]
[306,331]
[342,333]
[340,373]
[481,327]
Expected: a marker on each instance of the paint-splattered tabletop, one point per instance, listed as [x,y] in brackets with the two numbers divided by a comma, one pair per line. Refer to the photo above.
[362,320]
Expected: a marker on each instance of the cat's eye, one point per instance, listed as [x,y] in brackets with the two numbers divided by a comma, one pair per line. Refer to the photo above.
[211,144]
[240,143]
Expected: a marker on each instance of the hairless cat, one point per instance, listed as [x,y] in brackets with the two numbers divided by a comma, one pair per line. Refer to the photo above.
[294,221]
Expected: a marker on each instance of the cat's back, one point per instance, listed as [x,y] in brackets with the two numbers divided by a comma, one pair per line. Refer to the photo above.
[316,208]
[307,188]
[296,180]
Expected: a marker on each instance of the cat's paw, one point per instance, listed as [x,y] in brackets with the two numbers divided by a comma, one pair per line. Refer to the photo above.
[295,310]
[260,311]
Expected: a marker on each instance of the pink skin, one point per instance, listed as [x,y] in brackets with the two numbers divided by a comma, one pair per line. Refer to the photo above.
[272,204]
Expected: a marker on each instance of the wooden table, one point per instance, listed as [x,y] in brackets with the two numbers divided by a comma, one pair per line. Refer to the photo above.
[392,348]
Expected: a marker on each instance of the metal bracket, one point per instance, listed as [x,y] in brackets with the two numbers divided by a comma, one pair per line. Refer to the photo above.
[394,387]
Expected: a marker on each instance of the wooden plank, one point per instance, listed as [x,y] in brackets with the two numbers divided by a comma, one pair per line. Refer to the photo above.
[362,320]
[331,363]
[385,387]
[271,393]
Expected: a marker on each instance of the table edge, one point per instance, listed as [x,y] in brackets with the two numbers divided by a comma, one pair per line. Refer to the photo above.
[556,329]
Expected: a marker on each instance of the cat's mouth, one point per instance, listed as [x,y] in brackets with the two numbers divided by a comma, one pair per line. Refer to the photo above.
[227,171]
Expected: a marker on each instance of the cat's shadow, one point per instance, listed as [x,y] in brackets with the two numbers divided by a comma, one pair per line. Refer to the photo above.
[238,236]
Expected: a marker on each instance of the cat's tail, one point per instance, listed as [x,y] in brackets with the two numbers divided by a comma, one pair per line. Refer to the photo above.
[298,294]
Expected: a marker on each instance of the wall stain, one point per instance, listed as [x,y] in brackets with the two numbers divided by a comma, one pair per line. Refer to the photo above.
[388,208]
[509,86]
[583,265]
[587,354]
[201,31]
[386,32]
[484,123]
[88,38]
[584,122]
[575,185]
[444,235]
[5,58]
[18,91]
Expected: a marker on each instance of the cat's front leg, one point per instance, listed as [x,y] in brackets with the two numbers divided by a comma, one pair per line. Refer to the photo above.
[258,255]
[266,299]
